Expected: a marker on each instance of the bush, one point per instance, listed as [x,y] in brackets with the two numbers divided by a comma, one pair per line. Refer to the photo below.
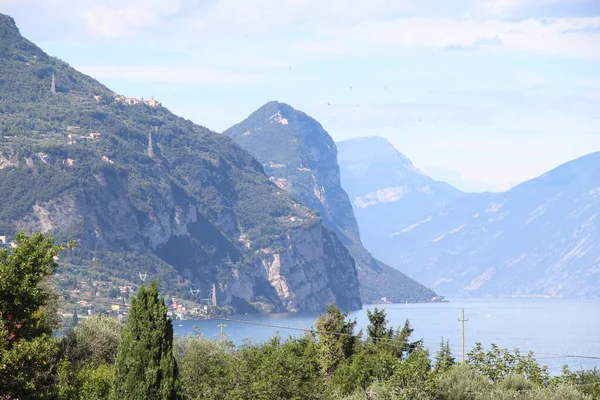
[91,382]
[462,382]
[95,340]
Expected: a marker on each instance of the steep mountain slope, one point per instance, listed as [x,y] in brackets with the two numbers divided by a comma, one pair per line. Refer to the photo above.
[144,191]
[539,238]
[386,190]
[300,157]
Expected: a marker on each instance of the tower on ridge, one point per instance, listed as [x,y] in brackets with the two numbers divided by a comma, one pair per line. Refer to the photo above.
[53,87]
[214,294]
[150,151]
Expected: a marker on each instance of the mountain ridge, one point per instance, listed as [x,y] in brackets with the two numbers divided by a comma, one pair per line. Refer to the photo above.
[386,189]
[147,192]
[536,239]
[300,157]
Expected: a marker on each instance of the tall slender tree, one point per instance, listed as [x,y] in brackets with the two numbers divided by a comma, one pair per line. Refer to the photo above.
[145,367]
[336,339]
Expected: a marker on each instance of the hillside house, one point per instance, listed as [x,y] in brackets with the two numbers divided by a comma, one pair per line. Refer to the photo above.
[131,101]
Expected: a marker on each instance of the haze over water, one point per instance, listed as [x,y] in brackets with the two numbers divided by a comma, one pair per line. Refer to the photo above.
[545,326]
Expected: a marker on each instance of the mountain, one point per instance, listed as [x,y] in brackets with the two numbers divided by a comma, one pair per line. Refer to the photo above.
[149,194]
[538,239]
[386,190]
[301,157]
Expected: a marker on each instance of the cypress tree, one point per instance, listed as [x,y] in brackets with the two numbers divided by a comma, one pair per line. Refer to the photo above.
[145,367]
[75,321]
[336,339]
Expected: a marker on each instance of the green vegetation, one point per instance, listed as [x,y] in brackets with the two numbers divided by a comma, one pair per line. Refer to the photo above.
[101,359]
[145,367]
[299,154]
[28,353]
[75,162]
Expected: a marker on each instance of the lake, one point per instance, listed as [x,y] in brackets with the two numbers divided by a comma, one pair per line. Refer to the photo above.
[545,326]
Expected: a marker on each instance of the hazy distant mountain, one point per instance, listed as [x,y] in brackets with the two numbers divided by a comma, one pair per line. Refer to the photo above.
[386,190]
[539,238]
[300,157]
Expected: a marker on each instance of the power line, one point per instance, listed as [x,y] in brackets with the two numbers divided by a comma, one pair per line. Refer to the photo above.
[392,341]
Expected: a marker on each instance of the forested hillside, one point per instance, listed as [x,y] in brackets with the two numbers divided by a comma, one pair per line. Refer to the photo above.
[144,191]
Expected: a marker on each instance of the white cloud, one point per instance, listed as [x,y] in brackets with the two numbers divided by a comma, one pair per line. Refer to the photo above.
[501,6]
[114,19]
[4,4]
[523,36]
[319,28]
[106,19]
[523,9]
[268,16]
[198,74]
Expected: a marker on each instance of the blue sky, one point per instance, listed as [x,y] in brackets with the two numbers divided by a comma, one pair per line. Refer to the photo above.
[484,94]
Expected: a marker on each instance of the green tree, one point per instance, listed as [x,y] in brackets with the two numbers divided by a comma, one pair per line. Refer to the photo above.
[75,320]
[145,367]
[208,371]
[587,381]
[377,328]
[402,346]
[95,341]
[23,296]
[28,355]
[498,363]
[90,382]
[462,382]
[444,358]
[114,292]
[336,339]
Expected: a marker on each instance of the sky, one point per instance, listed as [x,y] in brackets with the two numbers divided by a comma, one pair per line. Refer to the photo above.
[483,94]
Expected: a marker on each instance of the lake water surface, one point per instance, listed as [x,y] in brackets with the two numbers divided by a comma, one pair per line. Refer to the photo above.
[545,326]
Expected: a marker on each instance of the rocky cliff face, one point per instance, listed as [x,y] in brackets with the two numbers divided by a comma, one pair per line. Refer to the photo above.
[385,188]
[537,239]
[300,157]
[194,211]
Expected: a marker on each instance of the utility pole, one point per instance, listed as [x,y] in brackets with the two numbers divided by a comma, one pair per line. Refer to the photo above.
[222,334]
[463,320]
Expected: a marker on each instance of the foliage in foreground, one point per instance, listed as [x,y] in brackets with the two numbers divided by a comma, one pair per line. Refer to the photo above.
[101,359]
[145,367]
[28,354]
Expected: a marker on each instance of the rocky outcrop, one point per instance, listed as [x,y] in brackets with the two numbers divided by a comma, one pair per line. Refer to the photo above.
[300,157]
[306,268]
